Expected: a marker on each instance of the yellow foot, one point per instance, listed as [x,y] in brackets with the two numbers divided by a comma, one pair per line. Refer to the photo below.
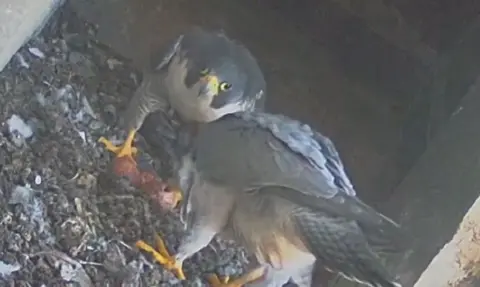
[162,256]
[216,281]
[126,149]
[251,276]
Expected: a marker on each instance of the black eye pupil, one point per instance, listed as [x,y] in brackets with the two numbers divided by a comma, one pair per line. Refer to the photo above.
[226,86]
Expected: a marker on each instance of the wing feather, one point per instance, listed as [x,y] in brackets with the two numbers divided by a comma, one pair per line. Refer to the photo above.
[261,152]
[315,148]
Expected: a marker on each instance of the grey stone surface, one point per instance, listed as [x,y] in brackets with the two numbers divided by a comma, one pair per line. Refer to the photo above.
[433,198]
[19,19]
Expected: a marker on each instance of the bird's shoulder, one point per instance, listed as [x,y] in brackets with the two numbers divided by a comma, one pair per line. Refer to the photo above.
[319,153]
[316,149]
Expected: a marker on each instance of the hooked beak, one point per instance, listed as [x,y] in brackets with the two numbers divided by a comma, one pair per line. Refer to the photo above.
[210,86]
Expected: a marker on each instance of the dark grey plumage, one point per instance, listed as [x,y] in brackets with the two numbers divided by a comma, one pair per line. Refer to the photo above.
[174,91]
[230,60]
[341,246]
[280,179]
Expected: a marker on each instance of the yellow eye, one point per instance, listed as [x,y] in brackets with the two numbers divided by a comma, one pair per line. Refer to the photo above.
[224,86]
[204,72]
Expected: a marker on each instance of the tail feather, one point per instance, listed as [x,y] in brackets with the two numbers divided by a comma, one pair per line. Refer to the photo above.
[383,233]
[341,247]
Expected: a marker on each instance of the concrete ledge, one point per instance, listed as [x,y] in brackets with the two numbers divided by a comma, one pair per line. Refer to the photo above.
[433,199]
[19,19]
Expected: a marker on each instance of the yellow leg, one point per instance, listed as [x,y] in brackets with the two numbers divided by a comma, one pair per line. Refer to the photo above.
[126,149]
[251,276]
[162,256]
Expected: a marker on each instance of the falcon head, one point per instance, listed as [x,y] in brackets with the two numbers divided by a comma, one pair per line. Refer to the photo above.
[210,76]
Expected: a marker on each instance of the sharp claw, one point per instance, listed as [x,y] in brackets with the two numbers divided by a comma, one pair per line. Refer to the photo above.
[162,256]
[126,149]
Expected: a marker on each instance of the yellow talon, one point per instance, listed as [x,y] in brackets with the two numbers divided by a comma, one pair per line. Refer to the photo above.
[251,276]
[162,256]
[126,149]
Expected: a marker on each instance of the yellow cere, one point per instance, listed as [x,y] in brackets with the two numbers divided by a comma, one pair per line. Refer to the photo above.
[212,82]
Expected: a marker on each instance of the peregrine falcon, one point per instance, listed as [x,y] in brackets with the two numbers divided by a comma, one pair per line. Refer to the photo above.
[280,189]
[203,76]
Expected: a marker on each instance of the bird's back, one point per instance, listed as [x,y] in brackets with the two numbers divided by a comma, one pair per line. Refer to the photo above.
[287,191]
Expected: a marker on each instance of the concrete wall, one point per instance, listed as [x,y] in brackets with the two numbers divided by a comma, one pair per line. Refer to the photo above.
[19,19]
[432,200]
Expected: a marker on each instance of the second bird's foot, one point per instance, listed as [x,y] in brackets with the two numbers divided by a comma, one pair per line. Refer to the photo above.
[125,149]
[251,276]
[162,256]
